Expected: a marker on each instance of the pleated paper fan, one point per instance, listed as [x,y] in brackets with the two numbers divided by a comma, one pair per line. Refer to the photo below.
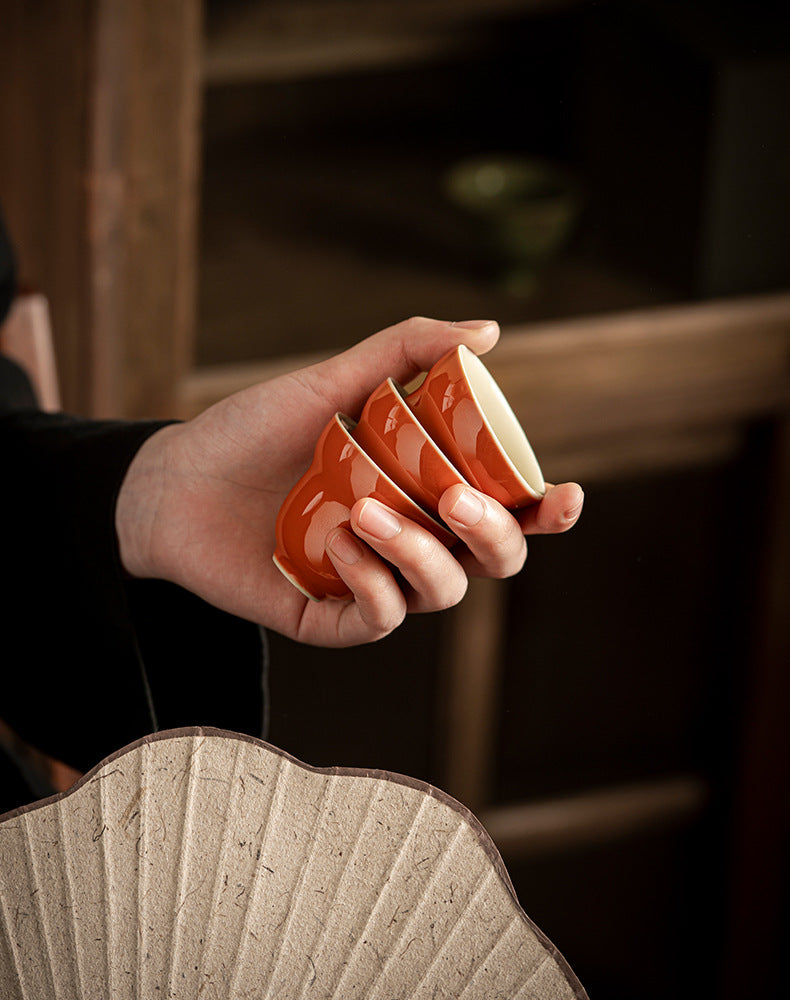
[201,863]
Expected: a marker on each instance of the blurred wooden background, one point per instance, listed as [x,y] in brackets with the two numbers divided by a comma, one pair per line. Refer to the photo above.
[210,194]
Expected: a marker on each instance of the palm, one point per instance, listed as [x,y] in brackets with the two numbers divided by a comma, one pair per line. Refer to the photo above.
[239,461]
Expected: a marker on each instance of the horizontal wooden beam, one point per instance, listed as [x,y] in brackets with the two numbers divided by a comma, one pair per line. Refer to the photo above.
[633,453]
[283,40]
[204,386]
[595,817]
[575,382]
[579,381]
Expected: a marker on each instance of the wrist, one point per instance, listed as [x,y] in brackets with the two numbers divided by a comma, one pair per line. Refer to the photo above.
[139,506]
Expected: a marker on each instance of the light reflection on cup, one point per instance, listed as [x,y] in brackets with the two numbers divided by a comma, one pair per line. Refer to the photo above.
[340,474]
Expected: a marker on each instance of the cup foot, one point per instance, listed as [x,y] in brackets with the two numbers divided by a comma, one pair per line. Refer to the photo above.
[292,575]
[292,579]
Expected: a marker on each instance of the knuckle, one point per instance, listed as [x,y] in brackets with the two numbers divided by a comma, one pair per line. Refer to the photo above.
[454,594]
[443,590]
[511,563]
[416,325]
[504,557]
[442,581]
[418,553]
[383,621]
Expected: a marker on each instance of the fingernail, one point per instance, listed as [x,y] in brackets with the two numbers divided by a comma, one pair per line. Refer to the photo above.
[573,512]
[468,509]
[345,547]
[377,521]
[475,324]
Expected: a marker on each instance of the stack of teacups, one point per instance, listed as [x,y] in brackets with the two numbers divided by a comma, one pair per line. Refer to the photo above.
[406,449]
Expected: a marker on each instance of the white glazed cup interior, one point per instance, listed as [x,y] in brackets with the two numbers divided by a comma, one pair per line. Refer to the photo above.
[501,421]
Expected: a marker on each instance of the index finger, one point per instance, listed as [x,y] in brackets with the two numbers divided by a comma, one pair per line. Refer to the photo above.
[400,352]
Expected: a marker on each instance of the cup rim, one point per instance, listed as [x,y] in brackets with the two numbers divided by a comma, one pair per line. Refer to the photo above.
[468,359]
[344,420]
[401,392]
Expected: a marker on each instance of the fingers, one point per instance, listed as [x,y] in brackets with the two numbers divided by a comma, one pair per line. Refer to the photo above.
[379,604]
[393,567]
[494,538]
[430,577]
[558,511]
[400,352]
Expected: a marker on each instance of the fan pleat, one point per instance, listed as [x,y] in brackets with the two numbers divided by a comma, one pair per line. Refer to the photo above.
[52,900]
[546,982]
[22,977]
[184,868]
[290,935]
[213,800]
[286,853]
[245,826]
[121,788]
[509,963]
[106,903]
[376,852]
[431,921]
[372,935]
[10,978]
[255,888]
[164,808]
[322,953]
[195,863]
[453,961]
[83,884]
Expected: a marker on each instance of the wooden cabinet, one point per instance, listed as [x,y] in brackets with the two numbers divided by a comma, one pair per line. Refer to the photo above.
[211,196]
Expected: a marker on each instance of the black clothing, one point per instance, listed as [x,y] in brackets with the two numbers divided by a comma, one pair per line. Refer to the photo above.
[81,642]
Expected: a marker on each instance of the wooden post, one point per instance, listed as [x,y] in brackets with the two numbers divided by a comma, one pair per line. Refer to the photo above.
[99,106]
[472,679]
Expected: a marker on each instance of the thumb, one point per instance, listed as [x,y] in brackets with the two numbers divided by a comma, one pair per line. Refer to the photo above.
[401,352]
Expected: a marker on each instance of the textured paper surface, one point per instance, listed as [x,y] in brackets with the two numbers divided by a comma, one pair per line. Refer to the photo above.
[199,863]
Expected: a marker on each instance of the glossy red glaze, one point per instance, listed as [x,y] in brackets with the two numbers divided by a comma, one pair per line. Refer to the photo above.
[448,408]
[340,474]
[391,434]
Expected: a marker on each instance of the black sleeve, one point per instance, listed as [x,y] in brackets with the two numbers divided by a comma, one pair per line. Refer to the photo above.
[84,648]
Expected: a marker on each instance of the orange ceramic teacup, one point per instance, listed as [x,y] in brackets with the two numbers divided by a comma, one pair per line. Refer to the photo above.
[391,434]
[467,414]
[340,474]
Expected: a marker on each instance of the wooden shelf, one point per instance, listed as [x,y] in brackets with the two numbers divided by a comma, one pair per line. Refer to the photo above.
[597,816]
[281,40]
[295,260]
[312,302]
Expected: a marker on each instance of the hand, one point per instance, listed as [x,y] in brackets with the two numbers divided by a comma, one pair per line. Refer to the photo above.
[200,499]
